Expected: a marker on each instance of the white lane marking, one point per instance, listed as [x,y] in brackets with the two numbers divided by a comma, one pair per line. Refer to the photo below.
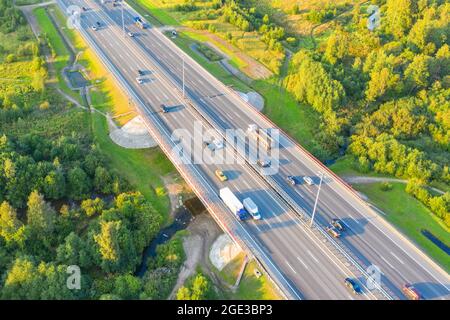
[293,270]
[275,202]
[304,264]
[387,262]
[312,256]
[393,254]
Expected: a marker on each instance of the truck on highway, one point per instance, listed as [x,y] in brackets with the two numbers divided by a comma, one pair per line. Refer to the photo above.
[233,203]
[140,23]
[251,208]
[261,136]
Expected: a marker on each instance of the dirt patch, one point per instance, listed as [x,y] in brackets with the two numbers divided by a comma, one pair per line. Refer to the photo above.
[176,189]
[203,231]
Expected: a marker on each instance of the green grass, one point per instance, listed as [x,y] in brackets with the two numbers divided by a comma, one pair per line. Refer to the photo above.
[280,106]
[230,272]
[298,120]
[142,168]
[160,14]
[409,216]
[252,288]
[209,53]
[184,42]
[60,53]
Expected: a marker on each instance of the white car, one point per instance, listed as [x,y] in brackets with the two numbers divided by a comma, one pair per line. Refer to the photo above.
[140,80]
[94,28]
[308,180]
[131,34]
[218,144]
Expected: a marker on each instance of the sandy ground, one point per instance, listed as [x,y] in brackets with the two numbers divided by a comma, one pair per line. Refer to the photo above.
[133,135]
[203,231]
[223,251]
[176,188]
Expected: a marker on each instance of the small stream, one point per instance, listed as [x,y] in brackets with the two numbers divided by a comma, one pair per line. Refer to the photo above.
[183,216]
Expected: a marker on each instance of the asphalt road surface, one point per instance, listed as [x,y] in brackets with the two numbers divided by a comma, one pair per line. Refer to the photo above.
[301,255]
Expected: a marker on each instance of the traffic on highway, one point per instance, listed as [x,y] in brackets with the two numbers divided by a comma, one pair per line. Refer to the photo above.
[310,231]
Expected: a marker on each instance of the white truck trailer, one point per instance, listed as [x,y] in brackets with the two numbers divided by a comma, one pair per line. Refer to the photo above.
[233,203]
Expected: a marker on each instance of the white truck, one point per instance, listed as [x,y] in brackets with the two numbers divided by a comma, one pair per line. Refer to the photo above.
[233,203]
[251,208]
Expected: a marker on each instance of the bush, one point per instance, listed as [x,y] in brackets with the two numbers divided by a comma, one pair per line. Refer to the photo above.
[386,186]
[10,58]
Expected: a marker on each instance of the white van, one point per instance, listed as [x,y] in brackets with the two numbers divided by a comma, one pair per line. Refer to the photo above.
[251,208]
[308,180]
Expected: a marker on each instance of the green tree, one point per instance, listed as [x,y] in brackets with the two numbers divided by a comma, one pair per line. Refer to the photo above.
[417,73]
[102,181]
[11,228]
[127,287]
[40,215]
[107,240]
[79,183]
[92,207]
[54,185]
[400,16]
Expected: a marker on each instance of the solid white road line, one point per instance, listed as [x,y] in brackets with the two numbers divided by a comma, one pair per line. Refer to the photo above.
[304,264]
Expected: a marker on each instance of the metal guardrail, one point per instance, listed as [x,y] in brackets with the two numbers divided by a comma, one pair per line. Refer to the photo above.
[190,173]
[283,195]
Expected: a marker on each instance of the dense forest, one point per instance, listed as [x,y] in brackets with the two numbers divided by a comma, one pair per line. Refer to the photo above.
[385,93]
[382,95]
[61,204]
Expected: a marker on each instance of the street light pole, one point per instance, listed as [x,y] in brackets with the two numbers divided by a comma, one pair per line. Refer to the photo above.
[317,200]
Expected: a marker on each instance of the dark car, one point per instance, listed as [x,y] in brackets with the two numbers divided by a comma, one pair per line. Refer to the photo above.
[141,73]
[164,108]
[353,285]
[98,23]
[292,180]
[338,224]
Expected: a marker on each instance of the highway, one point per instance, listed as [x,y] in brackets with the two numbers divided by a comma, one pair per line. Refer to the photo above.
[300,254]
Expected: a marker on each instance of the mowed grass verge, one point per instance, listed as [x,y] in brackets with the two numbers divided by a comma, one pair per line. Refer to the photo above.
[61,54]
[250,287]
[142,168]
[410,216]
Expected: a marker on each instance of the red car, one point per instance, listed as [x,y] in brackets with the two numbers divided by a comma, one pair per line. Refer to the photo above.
[411,292]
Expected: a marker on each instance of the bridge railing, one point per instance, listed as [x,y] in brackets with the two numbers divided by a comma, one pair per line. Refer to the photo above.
[346,255]
[195,179]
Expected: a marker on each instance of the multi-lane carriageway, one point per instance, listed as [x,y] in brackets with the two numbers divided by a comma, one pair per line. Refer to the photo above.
[304,262]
